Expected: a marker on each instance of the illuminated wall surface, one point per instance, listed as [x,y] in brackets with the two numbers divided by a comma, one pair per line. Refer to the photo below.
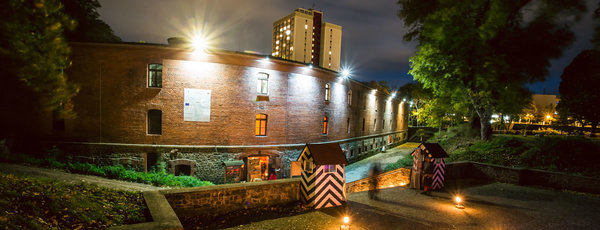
[212,99]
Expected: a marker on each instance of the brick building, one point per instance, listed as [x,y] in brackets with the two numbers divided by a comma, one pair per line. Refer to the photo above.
[142,104]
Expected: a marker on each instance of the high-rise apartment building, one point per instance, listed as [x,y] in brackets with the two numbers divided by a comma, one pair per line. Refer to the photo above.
[303,36]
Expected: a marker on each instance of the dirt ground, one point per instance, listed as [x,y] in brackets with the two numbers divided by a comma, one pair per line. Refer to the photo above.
[360,169]
[487,206]
[29,171]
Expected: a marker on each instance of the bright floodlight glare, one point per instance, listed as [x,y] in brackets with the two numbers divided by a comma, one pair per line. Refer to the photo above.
[199,43]
[345,73]
[458,199]
[393,94]
[346,219]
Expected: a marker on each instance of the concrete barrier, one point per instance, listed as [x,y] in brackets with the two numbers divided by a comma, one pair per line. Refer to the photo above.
[394,178]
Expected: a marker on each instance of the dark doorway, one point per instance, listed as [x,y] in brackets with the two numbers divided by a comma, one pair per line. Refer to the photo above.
[183,170]
[152,159]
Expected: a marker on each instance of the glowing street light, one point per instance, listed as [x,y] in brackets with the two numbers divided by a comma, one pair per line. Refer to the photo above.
[345,73]
[199,43]
[458,201]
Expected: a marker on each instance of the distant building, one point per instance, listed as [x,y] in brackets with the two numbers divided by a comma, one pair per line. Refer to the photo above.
[302,36]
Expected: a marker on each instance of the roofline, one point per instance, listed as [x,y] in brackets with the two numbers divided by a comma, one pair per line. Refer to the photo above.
[217,51]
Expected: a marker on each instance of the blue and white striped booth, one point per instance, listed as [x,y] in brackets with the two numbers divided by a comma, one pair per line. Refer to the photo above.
[323,175]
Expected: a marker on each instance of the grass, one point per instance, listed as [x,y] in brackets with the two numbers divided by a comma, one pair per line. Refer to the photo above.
[567,154]
[119,172]
[402,162]
[27,203]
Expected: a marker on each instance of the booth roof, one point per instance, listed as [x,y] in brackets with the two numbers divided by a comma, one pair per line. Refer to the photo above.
[435,150]
[327,154]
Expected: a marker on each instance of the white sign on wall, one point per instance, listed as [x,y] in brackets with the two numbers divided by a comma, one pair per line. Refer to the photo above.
[196,105]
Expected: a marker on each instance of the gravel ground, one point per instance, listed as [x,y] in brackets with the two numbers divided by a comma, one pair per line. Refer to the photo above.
[29,171]
[487,206]
[360,169]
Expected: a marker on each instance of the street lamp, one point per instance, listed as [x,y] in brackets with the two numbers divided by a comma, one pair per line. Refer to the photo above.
[346,224]
[345,73]
[458,201]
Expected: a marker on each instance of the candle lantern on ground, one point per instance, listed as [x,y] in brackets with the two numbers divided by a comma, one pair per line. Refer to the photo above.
[323,175]
[429,167]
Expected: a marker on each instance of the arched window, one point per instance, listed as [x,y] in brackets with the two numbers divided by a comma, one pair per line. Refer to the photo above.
[325,125]
[349,97]
[261,125]
[327,91]
[154,122]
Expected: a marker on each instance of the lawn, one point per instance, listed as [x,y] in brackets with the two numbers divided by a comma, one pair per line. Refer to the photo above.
[29,203]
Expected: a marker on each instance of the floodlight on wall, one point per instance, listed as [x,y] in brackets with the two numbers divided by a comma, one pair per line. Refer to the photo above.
[345,73]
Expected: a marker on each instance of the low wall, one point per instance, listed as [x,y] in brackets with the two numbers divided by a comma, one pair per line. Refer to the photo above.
[394,178]
[521,176]
[220,199]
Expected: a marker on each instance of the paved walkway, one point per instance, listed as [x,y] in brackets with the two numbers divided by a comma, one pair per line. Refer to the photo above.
[487,206]
[29,171]
[360,169]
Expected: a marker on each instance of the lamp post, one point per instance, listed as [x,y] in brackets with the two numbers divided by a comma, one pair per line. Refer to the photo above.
[458,201]
[346,224]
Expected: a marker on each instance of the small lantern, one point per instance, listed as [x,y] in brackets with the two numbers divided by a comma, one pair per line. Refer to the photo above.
[346,224]
[458,201]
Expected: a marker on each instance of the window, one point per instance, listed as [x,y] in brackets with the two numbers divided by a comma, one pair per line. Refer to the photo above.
[383,124]
[348,126]
[349,97]
[374,124]
[263,84]
[327,91]
[329,168]
[325,125]
[155,75]
[363,127]
[155,122]
[308,166]
[261,125]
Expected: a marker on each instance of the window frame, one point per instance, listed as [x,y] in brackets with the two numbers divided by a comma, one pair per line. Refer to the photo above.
[308,165]
[325,125]
[150,121]
[262,77]
[349,98]
[258,125]
[328,168]
[327,91]
[157,72]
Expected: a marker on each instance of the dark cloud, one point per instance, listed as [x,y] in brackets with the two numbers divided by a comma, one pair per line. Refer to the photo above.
[371,41]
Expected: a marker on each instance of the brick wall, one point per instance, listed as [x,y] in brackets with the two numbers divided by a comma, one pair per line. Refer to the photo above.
[220,199]
[114,100]
[394,178]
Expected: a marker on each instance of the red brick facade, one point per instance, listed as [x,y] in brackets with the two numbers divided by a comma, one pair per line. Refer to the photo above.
[114,100]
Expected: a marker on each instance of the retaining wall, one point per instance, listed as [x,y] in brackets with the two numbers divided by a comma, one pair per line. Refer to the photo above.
[220,199]
[394,178]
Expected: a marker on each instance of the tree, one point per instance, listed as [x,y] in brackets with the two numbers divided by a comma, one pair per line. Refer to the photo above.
[89,26]
[35,53]
[488,49]
[579,94]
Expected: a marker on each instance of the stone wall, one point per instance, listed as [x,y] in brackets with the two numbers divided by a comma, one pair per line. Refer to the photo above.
[220,199]
[394,178]
[521,176]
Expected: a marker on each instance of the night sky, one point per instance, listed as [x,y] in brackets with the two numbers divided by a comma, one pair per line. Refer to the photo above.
[372,44]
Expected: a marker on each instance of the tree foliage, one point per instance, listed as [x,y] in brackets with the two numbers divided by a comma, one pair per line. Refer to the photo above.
[578,88]
[488,49]
[35,52]
[89,26]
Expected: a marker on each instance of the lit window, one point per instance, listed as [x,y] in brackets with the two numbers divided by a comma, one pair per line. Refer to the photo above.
[288,38]
[325,124]
[349,95]
[305,27]
[287,32]
[155,122]
[261,125]
[329,52]
[292,48]
[277,47]
[277,42]
[329,168]
[327,91]
[155,75]
[263,83]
